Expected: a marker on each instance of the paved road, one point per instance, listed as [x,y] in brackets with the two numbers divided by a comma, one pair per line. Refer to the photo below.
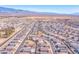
[49,34]
[12,45]
[57,42]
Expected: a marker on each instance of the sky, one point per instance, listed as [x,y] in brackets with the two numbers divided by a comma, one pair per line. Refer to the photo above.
[63,9]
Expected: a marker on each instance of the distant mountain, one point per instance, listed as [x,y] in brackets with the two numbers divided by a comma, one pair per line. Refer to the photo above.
[10,11]
[4,9]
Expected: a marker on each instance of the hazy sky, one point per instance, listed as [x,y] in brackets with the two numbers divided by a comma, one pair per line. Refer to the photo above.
[67,9]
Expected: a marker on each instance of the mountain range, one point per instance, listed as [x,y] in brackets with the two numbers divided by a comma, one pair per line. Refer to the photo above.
[11,11]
